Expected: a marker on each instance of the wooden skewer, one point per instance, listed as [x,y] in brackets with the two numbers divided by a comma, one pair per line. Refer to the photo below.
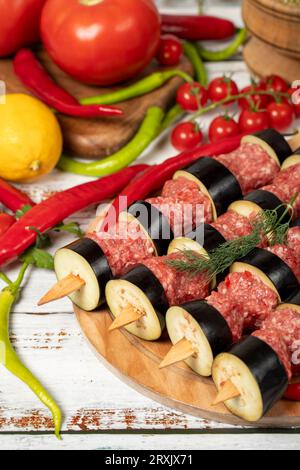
[129,315]
[62,288]
[294,142]
[178,352]
[227,391]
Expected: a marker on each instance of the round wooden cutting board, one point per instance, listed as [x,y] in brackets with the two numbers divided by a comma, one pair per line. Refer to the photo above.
[136,363]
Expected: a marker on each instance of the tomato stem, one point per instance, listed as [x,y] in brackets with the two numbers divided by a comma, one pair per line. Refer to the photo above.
[228,98]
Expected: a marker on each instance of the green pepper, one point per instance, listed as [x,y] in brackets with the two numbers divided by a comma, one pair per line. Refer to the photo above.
[140,88]
[148,131]
[224,54]
[8,356]
[172,115]
[191,52]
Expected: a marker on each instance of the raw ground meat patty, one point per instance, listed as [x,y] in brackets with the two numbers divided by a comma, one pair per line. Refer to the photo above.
[251,300]
[184,205]
[289,181]
[287,255]
[287,322]
[124,246]
[273,338]
[223,304]
[293,242]
[251,165]
[232,225]
[179,287]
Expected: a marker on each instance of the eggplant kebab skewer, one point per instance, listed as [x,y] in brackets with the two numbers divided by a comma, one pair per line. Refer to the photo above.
[253,375]
[135,299]
[145,229]
[200,330]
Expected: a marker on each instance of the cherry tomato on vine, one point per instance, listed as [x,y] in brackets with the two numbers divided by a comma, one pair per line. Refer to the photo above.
[276,83]
[222,127]
[170,50]
[258,101]
[253,121]
[220,88]
[281,115]
[186,136]
[295,99]
[191,96]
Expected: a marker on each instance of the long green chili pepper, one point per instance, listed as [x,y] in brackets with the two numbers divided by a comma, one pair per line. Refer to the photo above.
[8,356]
[143,86]
[191,52]
[174,113]
[148,131]
[224,54]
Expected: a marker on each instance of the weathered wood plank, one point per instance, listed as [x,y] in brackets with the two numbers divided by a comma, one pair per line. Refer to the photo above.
[152,442]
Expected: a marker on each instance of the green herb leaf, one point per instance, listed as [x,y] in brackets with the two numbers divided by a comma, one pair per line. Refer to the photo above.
[20,212]
[39,258]
[43,239]
[71,227]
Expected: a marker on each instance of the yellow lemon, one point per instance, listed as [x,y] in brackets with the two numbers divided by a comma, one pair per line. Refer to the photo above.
[30,138]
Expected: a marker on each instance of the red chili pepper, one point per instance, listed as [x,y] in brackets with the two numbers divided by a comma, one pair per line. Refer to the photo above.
[6,221]
[56,208]
[196,28]
[13,198]
[293,392]
[153,178]
[36,79]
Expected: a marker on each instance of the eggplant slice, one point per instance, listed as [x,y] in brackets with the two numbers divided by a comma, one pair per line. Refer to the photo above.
[215,181]
[272,142]
[204,327]
[142,291]
[268,267]
[257,201]
[291,161]
[153,223]
[84,258]
[255,370]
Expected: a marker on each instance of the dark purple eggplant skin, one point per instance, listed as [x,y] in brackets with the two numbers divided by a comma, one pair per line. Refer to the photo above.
[268,201]
[155,223]
[279,273]
[277,142]
[213,325]
[143,277]
[265,366]
[221,184]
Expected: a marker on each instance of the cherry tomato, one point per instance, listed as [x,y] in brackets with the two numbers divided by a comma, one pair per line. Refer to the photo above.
[253,121]
[19,24]
[191,96]
[101,42]
[222,127]
[295,99]
[170,50]
[281,115]
[220,88]
[276,83]
[186,136]
[256,101]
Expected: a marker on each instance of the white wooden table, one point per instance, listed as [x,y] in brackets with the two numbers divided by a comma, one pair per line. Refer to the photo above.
[100,412]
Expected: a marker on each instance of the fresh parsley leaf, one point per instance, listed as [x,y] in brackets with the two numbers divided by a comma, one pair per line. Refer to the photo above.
[20,212]
[42,240]
[71,227]
[39,258]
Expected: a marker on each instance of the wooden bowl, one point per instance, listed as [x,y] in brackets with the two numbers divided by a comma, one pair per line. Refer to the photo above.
[275,23]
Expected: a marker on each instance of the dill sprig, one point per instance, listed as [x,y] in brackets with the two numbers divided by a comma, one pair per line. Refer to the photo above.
[266,224]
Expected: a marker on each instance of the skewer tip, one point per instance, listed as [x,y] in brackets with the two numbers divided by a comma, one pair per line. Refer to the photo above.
[181,350]
[129,315]
[227,391]
[62,288]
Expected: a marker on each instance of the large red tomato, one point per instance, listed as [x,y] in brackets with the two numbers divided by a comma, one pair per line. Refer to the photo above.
[101,42]
[19,24]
